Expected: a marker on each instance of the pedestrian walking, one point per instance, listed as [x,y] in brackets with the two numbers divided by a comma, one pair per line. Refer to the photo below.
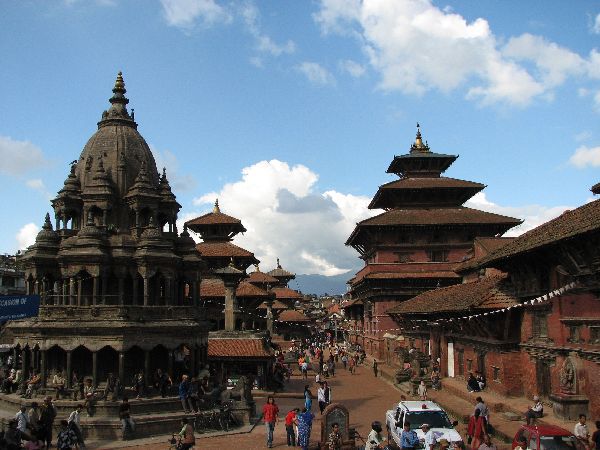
[351,365]
[581,431]
[270,414]
[422,391]
[334,441]
[476,430]
[324,396]
[308,396]
[290,421]
[345,361]
[305,420]
[375,368]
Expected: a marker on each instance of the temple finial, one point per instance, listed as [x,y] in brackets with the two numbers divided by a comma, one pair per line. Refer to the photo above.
[164,173]
[216,209]
[278,265]
[47,223]
[418,145]
[256,268]
[119,84]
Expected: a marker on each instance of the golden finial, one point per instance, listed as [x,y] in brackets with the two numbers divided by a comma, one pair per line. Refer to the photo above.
[257,268]
[216,208]
[119,83]
[418,140]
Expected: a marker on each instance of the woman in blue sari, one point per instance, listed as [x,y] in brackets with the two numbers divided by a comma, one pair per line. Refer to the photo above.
[308,398]
[305,419]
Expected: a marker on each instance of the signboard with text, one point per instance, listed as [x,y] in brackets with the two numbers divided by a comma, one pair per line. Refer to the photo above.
[15,307]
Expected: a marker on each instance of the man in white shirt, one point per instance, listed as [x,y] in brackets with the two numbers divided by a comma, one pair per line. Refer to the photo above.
[581,431]
[73,420]
[22,419]
[324,396]
[430,439]
[535,411]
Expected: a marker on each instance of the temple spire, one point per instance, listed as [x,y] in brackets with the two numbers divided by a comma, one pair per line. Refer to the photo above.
[118,102]
[418,146]
[47,223]
[216,209]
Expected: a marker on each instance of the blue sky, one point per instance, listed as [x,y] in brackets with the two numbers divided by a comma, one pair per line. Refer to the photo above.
[290,111]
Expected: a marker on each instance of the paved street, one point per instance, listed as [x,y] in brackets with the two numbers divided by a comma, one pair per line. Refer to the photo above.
[366,397]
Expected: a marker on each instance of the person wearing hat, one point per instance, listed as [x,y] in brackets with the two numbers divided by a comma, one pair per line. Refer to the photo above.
[444,444]
[534,412]
[430,439]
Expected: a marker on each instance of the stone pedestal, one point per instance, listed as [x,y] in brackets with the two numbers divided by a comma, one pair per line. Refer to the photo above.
[244,411]
[568,407]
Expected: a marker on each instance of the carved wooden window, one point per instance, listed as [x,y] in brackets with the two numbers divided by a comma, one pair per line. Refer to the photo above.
[574,334]
[540,325]
[438,256]
[594,335]
[461,362]
[403,257]
[496,373]
[469,365]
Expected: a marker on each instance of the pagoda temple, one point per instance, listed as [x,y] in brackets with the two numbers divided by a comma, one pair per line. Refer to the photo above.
[417,243]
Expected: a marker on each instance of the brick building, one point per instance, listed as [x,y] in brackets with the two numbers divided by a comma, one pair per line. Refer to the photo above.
[416,244]
[518,324]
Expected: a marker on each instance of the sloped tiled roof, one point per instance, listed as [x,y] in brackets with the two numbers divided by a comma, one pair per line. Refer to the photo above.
[222,249]
[214,288]
[291,315]
[407,275]
[438,216]
[287,293]
[277,305]
[492,292]
[431,182]
[569,224]
[261,277]
[237,348]
[213,218]
[483,247]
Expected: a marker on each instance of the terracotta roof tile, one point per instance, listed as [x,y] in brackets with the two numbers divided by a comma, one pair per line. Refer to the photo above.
[404,275]
[213,218]
[291,315]
[277,305]
[431,182]
[569,224]
[487,293]
[438,216]
[287,293]
[237,348]
[222,249]
[214,288]
[261,277]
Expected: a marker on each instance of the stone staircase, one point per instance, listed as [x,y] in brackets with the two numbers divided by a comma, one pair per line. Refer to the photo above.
[152,416]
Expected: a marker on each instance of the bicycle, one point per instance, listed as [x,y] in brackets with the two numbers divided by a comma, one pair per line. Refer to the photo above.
[226,416]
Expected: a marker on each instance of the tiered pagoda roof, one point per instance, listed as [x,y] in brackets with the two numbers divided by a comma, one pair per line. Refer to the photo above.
[217,230]
[425,232]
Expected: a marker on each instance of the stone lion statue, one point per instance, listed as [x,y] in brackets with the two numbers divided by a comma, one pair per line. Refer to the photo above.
[241,392]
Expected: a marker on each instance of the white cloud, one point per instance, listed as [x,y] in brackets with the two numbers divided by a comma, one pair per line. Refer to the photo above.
[263,43]
[532,215]
[287,218]
[167,159]
[585,157]
[19,157]
[315,73]
[417,47]
[583,136]
[38,185]
[353,68]
[187,13]
[26,235]
[596,25]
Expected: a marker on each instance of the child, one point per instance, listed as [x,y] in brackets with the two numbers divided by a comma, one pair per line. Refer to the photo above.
[423,390]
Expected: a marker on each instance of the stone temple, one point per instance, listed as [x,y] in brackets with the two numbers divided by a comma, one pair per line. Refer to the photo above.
[118,284]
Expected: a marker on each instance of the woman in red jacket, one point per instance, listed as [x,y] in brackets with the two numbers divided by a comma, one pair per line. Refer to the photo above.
[476,430]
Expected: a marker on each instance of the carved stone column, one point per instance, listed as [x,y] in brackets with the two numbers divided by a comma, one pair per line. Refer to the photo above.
[43,367]
[95,368]
[68,375]
[95,291]
[122,368]
[146,291]
[121,284]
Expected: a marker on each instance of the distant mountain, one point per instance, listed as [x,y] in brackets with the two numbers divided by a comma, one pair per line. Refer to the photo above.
[320,284]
